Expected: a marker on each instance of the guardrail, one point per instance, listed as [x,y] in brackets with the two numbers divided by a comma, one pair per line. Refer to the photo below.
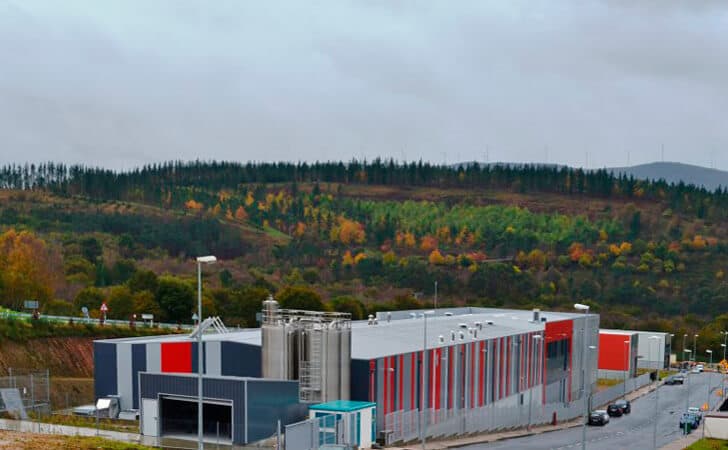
[83,320]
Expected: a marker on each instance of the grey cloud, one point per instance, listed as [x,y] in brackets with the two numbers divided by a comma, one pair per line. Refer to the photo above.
[120,83]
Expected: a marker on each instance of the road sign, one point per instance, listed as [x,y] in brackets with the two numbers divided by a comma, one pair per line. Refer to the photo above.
[31,304]
[104,308]
[147,316]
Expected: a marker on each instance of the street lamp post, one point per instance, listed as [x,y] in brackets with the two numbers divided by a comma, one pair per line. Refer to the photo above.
[687,397]
[669,356]
[423,419]
[695,348]
[685,336]
[725,342]
[585,308]
[707,399]
[626,367]
[537,339]
[657,393]
[200,261]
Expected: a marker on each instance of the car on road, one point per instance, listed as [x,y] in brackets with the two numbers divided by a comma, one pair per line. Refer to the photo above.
[700,368]
[690,420]
[598,417]
[675,379]
[698,413]
[614,410]
[624,405]
[695,370]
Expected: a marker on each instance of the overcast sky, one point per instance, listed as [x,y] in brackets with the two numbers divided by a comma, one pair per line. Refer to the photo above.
[121,83]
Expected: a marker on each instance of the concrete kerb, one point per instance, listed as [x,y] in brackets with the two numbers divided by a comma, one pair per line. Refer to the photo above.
[501,436]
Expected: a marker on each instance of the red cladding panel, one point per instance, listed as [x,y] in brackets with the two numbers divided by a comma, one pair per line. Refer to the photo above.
[556,331]
[612,350]
[177,357]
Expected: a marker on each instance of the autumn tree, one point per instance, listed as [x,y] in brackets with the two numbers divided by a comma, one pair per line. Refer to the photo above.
[27,268]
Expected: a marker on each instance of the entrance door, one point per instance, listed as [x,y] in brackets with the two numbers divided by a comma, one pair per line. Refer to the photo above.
[150,417]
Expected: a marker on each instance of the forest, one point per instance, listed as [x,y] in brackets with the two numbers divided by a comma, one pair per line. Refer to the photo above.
[363,237]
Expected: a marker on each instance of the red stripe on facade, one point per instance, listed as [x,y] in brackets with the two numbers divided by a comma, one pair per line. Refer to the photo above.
[509,363]
[400,386]
[393,386]
[176,357]
[481,374]
[449,377]
[385,385]
[413,381]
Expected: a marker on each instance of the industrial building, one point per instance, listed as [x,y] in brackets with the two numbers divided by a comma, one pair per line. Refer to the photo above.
[446,360]
[618,355]
[653,348]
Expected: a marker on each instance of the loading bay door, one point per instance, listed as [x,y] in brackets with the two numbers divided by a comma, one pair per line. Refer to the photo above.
[178,419]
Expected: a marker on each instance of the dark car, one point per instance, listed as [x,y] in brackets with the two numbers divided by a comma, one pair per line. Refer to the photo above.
[598,418]
[624,405]
[691,420]
[614,410]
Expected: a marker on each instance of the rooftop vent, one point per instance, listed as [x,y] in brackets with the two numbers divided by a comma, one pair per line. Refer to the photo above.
[462,336]
[489,322]
[452,335]
[389,317]
[543,319]
[479,325]
[441,338]
[448,314]
[536,314]
[463,326]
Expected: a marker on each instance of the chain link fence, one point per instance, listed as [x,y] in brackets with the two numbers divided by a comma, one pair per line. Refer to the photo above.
[33,387]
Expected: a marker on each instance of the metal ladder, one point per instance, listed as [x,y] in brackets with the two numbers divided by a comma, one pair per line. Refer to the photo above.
[310,375]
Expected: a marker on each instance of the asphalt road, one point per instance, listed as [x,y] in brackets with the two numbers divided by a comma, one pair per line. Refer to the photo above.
[632,431]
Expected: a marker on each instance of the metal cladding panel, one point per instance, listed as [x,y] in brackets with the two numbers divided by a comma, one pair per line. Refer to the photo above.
[213,358]
[360,380]
[124,375]
[240,360]
[194,352]
[138,364]
[270,401]
[176,357]
[613,352]
[154,357]
[104,369]
[152,385]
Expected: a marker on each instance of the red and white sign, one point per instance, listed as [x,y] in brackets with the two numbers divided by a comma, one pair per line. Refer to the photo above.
[104,308]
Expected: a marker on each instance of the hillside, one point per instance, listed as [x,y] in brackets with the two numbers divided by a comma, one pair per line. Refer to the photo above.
[674,172]
[364,237]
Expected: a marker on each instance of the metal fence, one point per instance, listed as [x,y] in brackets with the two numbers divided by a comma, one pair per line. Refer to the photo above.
[407,426]
[327,431]
[614,392]
[33,386]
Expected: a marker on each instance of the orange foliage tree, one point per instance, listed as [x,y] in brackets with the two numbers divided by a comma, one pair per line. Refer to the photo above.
[27,268]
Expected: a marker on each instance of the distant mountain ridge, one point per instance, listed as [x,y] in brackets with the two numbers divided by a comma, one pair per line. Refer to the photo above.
[671,172]
[674,172]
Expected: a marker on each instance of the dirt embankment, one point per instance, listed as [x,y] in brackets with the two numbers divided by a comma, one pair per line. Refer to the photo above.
[64,357]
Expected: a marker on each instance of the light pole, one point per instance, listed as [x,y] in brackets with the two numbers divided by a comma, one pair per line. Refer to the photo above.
[710,352]
[725,342]
[536,341]
[669,356]
[626,368]
[423,419]
[200,261]
[585,308]
[687,377]
[707,399]
[657,395]
[695,348]
[685,336]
